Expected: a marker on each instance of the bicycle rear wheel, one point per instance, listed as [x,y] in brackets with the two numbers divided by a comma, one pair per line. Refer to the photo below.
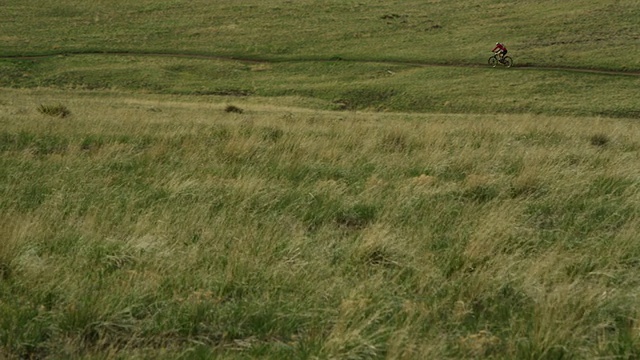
[508,61]
[493,61]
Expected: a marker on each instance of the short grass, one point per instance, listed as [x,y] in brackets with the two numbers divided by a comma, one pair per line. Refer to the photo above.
[342,85]
[579,33]
[345,55]
[156,226]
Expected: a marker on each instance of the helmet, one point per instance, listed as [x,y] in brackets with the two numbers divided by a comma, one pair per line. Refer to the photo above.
[497,43]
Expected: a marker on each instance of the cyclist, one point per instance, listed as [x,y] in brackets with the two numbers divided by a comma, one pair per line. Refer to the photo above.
[503,50]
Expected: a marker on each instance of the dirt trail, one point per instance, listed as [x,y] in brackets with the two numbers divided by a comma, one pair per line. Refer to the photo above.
[298,60]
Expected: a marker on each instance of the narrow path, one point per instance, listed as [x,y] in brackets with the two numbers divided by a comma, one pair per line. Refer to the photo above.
[298,60]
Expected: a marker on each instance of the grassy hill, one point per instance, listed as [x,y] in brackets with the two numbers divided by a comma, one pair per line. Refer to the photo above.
[319,179]
[569,33]
[339,55]
[343,85]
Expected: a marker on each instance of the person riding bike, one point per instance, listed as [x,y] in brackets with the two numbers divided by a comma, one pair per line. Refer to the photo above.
[503,50]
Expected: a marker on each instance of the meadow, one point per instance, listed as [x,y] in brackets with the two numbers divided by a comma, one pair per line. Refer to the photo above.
[578,33]
[190,180]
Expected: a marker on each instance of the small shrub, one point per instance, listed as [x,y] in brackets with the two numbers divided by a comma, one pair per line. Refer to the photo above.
[356,217]
[599,140]
[91,142]
[57,110]
[5,269]
[481,193]
[233,109]
[391,16]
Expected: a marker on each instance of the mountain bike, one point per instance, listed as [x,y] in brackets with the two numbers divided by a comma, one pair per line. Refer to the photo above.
[495,60]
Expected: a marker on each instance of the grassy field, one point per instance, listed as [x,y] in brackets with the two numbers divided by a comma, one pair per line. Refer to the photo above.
[170,226]
[581,33]
[344,55]
[319,179]
[343,85]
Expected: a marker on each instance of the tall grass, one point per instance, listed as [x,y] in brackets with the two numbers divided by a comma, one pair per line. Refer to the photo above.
[168,227]
[235,214]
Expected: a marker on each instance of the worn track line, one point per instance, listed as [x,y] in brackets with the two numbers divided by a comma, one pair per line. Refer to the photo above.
[299,60]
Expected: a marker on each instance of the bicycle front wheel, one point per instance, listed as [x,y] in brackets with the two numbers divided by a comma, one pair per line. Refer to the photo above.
[508,61]
[493,61]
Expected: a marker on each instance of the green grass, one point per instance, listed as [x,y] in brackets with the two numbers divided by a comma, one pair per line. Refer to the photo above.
[569,33]
[164,226]
[341,85]
[309,179]
[384,49]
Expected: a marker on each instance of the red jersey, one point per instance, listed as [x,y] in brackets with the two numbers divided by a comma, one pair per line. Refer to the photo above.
[499,46]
